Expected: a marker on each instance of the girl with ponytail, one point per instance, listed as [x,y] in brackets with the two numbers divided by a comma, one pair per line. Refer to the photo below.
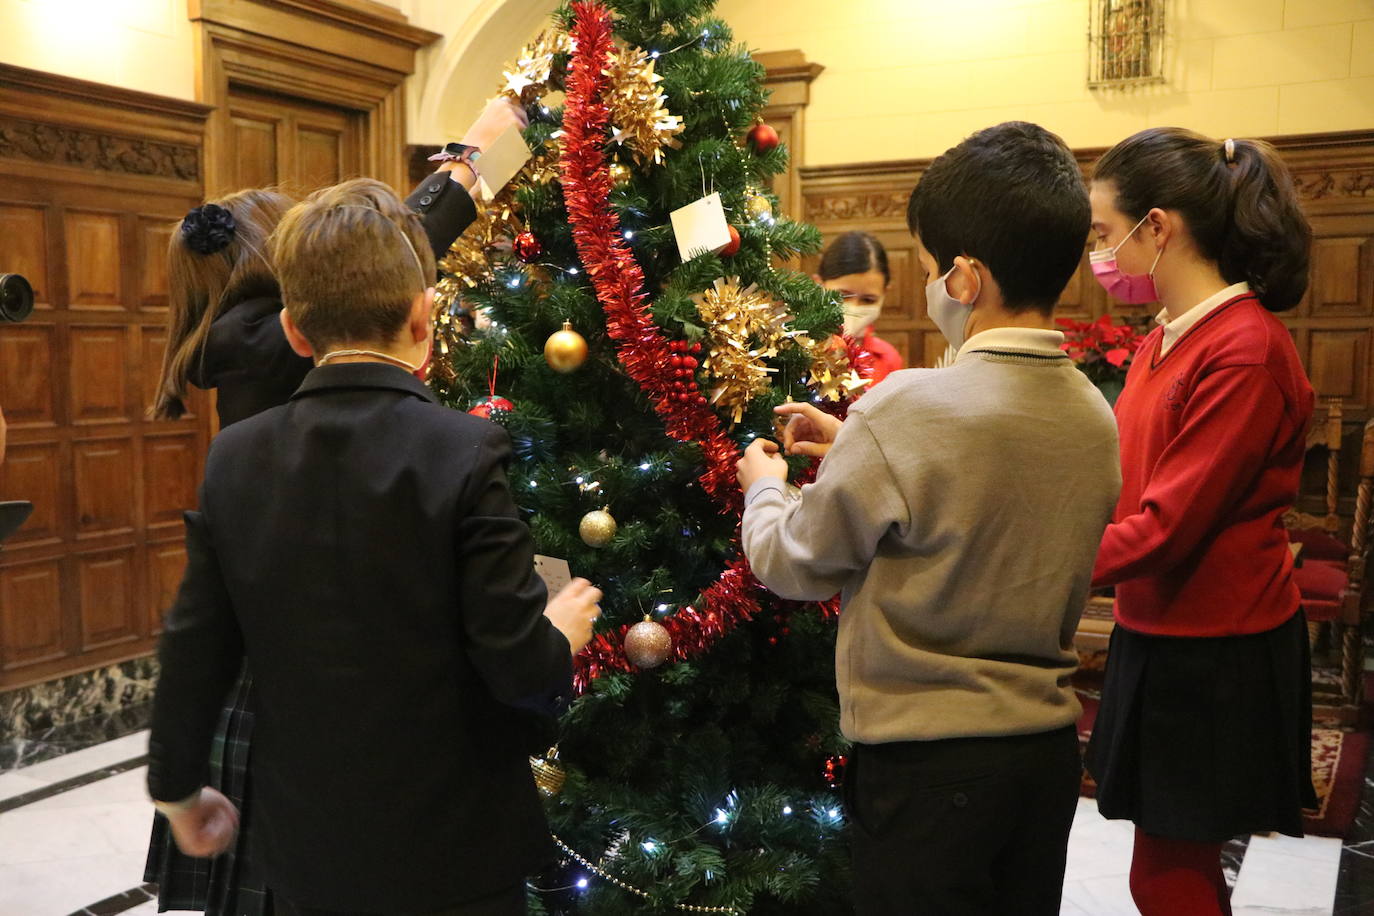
[1204,727]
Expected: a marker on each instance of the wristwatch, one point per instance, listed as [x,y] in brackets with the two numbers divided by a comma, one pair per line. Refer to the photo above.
[458,152]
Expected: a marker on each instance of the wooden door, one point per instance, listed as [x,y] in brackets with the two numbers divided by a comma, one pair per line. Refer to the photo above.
[289,143]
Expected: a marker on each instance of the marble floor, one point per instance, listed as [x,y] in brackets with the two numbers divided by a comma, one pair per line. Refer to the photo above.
[74,831]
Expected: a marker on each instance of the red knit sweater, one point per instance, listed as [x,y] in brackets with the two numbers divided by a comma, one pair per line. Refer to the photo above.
[1213,436]
[886,359]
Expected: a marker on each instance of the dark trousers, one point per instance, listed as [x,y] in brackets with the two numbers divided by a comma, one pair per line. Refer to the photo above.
[963,826]
[509,902]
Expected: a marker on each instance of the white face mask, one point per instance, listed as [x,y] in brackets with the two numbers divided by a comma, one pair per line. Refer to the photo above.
[949,314]
[859,318]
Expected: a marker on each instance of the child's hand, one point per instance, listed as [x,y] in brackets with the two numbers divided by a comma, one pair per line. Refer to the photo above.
[501,113]
[810,431]
[573,610]
[761,459]
[208,827]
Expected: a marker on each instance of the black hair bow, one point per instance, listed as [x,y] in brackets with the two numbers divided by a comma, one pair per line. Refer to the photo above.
[208,229]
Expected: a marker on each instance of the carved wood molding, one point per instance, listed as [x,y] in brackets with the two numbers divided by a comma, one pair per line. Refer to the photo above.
[101,133]
[1332,183]
[49,143]
[870,206]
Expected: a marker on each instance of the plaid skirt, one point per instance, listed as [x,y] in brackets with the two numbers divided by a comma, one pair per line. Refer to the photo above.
[229,884]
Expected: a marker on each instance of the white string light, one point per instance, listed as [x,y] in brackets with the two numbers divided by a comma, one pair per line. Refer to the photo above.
[629,888]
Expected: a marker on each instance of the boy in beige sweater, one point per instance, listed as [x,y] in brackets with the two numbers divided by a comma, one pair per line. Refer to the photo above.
[958,512]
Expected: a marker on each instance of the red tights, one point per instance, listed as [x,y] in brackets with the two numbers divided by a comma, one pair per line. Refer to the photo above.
[1178,878]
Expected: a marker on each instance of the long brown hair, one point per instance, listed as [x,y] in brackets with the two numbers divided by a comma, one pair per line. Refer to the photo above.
[202,286]
[1236,197]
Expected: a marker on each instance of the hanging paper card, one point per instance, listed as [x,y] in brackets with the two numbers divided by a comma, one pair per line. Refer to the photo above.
[499,164]
[700,227]
[553,571]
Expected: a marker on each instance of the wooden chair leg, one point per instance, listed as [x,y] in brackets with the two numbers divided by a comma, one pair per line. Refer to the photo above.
[1314,634]
[1352,666]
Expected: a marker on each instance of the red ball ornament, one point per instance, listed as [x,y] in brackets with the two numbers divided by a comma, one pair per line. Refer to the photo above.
[729,251]
[527,246]
[486,406]
[763,138]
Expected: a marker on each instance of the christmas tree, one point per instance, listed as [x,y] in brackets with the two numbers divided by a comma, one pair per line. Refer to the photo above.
[699,765]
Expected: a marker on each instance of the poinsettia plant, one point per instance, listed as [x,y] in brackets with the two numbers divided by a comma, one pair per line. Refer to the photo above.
[1103,350]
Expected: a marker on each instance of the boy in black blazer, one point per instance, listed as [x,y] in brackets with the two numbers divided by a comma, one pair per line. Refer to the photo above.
[361,546]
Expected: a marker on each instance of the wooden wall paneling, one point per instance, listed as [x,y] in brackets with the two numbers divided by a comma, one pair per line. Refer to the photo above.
[166,561]
[91,181]
[872,197]
[108,590]
[29,635]
[24,229]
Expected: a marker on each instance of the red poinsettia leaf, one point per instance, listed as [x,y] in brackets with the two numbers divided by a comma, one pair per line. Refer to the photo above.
[1118,356]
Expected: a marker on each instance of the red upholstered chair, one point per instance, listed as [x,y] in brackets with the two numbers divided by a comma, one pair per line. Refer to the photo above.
[1321,574]
[1336,593]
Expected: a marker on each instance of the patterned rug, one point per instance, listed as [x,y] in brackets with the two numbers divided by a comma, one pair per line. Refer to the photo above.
[1338,759]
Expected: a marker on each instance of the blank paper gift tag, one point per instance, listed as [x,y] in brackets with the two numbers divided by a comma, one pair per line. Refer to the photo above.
[554,572]
[700,227]
[503,161]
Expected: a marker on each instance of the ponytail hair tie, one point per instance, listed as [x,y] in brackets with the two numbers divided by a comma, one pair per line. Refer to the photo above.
[208,229]
[1230,146]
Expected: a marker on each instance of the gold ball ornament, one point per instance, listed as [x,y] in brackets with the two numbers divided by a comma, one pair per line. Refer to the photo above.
[565,350]
[648,644]
[597,528]
[620,173]
[549,775]
[759,207]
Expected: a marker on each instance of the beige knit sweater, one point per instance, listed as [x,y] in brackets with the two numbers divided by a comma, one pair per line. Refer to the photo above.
[959,513]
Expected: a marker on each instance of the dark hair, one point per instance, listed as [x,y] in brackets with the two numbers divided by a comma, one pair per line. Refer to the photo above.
[1241,208]
[854,253]
[1013,197]
[217,257]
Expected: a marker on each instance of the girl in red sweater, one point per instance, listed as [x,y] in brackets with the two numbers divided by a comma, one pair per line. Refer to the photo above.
[1204,728]
[855,266]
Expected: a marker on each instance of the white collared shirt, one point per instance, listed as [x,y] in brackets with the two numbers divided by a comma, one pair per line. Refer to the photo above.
[1177,327]
[1014,339]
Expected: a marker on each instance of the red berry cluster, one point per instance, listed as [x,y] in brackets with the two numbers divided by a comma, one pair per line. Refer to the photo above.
[783,629]
[682,369]
[833,771]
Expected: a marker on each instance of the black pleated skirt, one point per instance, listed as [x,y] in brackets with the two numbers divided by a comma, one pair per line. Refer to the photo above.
[1205,739]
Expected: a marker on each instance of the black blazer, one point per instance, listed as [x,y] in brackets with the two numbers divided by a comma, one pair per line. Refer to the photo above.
[247,358]
[361,546]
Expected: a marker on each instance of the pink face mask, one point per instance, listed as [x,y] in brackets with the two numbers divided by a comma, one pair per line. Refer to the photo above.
[1131,289]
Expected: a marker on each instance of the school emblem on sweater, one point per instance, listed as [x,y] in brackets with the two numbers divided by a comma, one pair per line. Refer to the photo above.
[1174,399]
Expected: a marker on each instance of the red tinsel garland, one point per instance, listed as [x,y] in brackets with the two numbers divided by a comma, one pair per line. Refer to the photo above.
[641,347]
[616,276]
